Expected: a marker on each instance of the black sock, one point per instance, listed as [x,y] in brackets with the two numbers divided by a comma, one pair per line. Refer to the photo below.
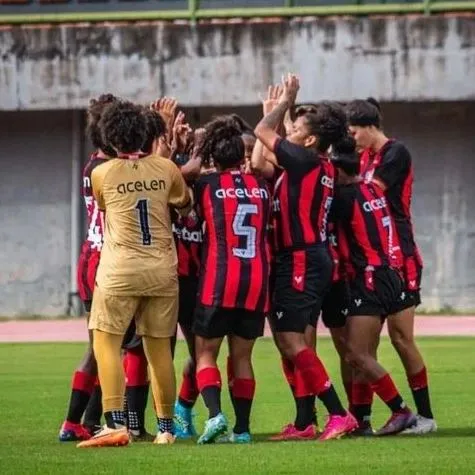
[185,403]
[212,398]
[362,413]
[136,402]
[332,402]
[422,400]
[396,404]
[165,425]
[242,409]
[77,405]
[114,418]
[93,414]
[305,411]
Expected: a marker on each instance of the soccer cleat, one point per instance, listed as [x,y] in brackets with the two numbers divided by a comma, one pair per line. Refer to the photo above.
[364,429]
[243,438]
[140,436]
[107,437]
[422,426]
[70,432]
[164,438]
[398,422]
[92,429]
[183,422]
[338,426]
[214,427]
[290,432]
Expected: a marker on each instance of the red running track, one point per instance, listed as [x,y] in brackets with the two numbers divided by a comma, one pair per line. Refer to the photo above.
[75,330]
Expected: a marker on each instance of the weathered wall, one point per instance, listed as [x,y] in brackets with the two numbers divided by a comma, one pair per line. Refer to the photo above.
[35,184]
[399,58]
[35,188]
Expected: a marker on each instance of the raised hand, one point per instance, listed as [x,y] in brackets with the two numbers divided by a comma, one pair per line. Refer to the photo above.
[272,99]
[290,88]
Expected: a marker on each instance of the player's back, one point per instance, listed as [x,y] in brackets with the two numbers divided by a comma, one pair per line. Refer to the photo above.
[235,208]
[139,255]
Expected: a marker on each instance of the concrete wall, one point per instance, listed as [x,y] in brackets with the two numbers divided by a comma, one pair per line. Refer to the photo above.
[35,186]
[392,58]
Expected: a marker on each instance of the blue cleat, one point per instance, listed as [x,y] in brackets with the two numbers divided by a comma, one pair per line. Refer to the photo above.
[214,427]
[244,438]
[183,422]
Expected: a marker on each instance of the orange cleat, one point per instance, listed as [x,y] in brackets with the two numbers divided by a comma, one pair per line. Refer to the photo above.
[107,437]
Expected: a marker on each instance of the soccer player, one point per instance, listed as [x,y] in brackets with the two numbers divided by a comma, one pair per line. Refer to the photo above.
[233,285]
[84,378]
[303,266]
[137,273]
[370,251]
[388,163]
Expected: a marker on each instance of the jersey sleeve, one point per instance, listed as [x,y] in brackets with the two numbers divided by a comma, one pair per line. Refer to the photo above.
[294,158]
[180,195]
[394,166]
[97,182]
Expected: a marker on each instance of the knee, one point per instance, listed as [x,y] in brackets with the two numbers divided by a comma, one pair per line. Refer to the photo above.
[289,347]
[354,358]
[402,341]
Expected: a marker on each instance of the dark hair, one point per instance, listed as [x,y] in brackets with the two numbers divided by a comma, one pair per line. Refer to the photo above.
[222,143]
[328,122]
[364,113]
[305,109]
[246,129]
[123,126]
[94,112]
[344,155]
[156,127]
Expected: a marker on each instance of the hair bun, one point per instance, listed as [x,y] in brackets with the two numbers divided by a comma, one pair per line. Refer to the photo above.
[374,102]
[345,146]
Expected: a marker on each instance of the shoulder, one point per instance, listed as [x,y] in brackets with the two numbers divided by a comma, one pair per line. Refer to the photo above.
[103,166]
[395,149]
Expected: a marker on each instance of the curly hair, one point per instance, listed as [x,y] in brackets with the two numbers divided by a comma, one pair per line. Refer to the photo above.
[222,143]
[156,127]
[246,129]
[328,122]
[94,112]
[344,156]
[364,113]
[123,126]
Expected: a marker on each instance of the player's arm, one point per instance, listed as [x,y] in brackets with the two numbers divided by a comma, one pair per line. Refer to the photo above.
[97,184]
[394,166]
[180,197]
[260,163]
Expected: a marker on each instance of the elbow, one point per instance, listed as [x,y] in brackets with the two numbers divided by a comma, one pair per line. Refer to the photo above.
[259,129]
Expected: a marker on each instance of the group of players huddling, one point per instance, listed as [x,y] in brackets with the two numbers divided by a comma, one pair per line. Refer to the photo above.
[219,228]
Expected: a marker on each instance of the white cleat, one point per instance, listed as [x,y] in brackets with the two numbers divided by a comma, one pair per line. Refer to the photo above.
[422,426]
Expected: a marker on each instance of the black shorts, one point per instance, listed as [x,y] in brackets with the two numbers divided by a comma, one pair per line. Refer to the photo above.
[301,281]
[187,291]
[217,322]
[411,293]
[375,292]
[131,339]
[87,305]
[335,305]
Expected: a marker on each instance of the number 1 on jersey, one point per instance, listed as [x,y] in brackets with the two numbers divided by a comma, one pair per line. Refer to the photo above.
[142,208]
[249,232]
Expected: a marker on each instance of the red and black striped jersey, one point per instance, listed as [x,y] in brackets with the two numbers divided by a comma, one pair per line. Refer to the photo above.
[95,217]
[188,234]
[235,268]
[367,236]
[302,197]
[333,247]
[392,165]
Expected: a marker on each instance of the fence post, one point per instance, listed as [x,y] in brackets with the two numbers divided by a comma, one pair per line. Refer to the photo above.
[427,4]
[193,6]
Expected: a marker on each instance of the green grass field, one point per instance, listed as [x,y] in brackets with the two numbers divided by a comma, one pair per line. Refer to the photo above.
[35,389]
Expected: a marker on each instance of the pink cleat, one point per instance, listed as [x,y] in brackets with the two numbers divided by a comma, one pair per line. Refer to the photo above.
[338,426]
[289,432]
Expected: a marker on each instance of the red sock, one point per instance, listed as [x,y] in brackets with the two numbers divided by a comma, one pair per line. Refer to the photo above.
[289,372]
[135,364]
[361,394]
[312,371]
[300,388]
[419,380]
[244,388]
[230,372]
[387,391]
[208,377]
[189,389]
[83,382]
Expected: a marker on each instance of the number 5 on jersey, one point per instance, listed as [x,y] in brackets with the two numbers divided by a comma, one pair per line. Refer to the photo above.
[142,211]
[249,232]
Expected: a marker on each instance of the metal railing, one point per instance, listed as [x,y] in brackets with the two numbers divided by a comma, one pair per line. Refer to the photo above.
[73,11]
